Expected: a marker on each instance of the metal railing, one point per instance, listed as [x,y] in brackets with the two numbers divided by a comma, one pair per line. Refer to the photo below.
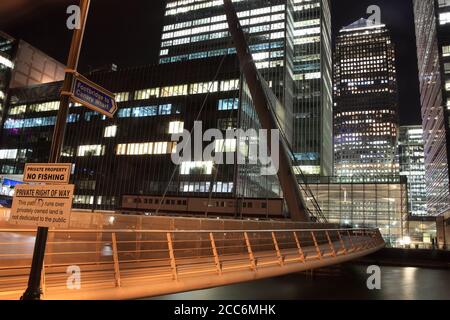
[126,258]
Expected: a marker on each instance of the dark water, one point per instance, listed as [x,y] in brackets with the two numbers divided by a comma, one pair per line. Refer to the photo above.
[345,282]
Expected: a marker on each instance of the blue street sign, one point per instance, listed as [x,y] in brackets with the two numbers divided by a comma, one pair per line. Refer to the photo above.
[93,96]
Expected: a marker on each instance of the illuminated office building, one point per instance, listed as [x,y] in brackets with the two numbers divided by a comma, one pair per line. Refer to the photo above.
[131,153]
[290,41]
[365,108]
[21,64]
[412,166]
[432,18]
[6,65]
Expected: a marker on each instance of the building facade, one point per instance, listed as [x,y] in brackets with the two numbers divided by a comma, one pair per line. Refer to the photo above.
[432,20]
[365,107]
[131,154]
[291,45]
[6,66]
[363,203]
[21,65]
[412,166]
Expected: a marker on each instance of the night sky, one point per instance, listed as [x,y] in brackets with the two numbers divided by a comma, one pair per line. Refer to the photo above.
[127,33]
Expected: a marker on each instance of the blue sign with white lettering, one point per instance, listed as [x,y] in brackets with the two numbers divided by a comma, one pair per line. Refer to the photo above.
[93,96]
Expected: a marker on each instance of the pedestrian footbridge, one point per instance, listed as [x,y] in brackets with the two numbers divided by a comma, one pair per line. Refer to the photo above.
[130,264]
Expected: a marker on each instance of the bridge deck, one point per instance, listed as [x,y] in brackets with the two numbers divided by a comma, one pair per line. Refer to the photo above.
[121,264]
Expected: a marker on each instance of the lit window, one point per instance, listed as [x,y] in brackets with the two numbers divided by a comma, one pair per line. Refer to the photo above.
[91,150]
[148,111]
[227,145]
[46,106]
[146,148]
[122,96]
[160,148]
[229,85]
[110,131]
[18,110]
[146,94]
[6,62]
[447,85]
[29,123]
[8,154]
[124,113]
[176,127]
[165,109]
[446,51]
[173,91]
[444,18]
[204,87]
[228,104]
[77,199]
[196,167]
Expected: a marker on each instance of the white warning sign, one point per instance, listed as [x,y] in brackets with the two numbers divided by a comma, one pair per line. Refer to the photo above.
[42,205]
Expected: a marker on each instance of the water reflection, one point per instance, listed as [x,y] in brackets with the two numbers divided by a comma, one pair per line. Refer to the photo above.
[347,282]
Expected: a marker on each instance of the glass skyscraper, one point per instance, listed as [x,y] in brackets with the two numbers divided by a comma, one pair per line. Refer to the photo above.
[365,107]
[290,41]
[6,66]
[412,166]
[432,19]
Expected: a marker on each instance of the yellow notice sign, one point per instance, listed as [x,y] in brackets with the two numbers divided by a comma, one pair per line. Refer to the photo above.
[42,205]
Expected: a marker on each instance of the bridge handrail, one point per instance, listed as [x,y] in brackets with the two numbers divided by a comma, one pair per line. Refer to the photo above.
[166,260]
[184,231]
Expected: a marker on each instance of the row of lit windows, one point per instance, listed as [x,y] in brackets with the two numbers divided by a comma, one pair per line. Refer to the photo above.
[37,122]
[185,89]
[37,107]
[306,23]
[214,27]
[189,5]
[146,148]
[151,148]
[204,187]
[228,104]
[204,87]
[306,40]
[353,33]
[136,112]
[364,113]
[29,123]
[225,34]
[196,167]
[91,150]
[174,127]
[221,52]
[12,153]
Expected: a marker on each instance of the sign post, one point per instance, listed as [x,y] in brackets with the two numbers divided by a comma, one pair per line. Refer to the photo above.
[33,291]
